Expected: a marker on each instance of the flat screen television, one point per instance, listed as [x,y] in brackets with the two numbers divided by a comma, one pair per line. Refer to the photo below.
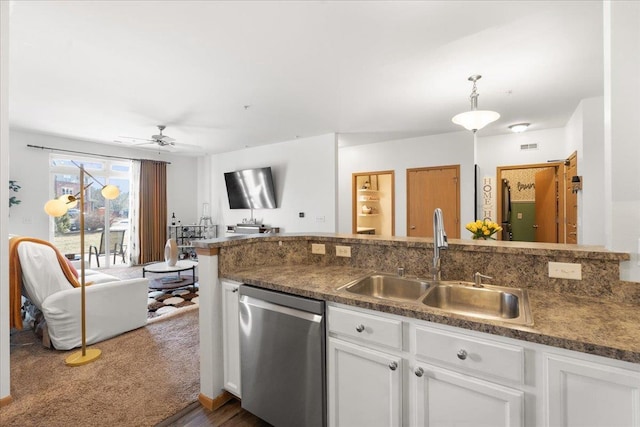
[250,189]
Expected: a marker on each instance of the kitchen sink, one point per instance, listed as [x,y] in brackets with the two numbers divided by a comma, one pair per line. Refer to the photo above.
[386,286]
[487,302]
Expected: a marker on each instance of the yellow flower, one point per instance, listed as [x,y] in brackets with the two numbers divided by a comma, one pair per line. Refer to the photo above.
[479,223]
[486,232]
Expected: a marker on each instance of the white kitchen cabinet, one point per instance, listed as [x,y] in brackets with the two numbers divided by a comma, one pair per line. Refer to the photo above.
[446,390]
[230,336]
[364,386]
[451,376]
[583,393]
[446,398]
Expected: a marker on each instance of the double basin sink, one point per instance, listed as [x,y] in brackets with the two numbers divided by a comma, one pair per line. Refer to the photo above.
[485,301]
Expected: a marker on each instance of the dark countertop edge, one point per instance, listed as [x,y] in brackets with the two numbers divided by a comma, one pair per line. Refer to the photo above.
[517,332]
[493,246]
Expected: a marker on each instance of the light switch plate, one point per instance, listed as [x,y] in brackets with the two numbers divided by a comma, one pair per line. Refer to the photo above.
[344,251]
[565,270]
[318,248]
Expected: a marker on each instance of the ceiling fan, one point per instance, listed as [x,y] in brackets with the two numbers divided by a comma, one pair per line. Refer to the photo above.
[159,139]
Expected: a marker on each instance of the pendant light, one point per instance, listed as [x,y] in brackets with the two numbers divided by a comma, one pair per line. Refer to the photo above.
[475,119]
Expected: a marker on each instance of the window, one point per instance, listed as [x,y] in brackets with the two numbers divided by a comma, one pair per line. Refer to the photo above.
[101,215]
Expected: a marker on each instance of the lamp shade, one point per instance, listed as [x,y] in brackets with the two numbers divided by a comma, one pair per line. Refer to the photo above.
[69,200]
[475,119]
[55,208]
[110,192]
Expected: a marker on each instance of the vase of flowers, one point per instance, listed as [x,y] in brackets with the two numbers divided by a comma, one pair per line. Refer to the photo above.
[483,229]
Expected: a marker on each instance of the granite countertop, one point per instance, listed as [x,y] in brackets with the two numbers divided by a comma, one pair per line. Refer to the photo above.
[584,324]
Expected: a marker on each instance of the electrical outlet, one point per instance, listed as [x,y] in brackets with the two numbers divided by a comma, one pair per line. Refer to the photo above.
[318,248]
[344,251]
[565,270]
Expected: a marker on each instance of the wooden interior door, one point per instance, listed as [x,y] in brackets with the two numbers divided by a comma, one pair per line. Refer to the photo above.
[428,189]
[571,200]
[546,205]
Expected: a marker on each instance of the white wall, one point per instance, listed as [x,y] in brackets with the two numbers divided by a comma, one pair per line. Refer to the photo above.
[504,150]
[585,133]
[30,167]
[4,195]
[304,179]
[622,132]
[446,149]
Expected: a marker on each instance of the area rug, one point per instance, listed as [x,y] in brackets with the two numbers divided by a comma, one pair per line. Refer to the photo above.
[161,303]
[141,378]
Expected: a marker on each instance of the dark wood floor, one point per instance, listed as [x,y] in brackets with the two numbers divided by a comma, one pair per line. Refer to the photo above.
[228,415]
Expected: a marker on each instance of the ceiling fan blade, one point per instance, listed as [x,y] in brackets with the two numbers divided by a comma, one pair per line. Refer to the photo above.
[133,139]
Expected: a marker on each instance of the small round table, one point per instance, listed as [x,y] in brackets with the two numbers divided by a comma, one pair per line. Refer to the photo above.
[171,282]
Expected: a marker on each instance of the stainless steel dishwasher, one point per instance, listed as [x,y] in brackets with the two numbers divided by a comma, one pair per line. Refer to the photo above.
[282,354]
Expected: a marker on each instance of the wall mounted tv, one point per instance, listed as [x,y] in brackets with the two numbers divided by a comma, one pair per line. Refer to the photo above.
[250,189]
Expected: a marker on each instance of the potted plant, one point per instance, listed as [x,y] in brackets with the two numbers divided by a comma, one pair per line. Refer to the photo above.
[13,186]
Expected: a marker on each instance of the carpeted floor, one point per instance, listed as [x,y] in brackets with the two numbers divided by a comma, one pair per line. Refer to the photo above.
[141,378]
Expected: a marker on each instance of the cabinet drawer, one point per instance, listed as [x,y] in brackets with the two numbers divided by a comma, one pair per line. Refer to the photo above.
[470,353]
[370,328]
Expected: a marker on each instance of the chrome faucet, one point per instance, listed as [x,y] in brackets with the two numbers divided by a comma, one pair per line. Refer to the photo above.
[439,241]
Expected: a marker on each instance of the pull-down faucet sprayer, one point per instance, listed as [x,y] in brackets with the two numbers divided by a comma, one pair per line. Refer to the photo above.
[439,241]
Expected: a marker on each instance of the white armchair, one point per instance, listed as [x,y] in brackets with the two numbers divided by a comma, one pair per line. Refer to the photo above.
[113,306]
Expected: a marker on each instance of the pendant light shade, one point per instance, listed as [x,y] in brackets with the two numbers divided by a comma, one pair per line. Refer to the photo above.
[475,119]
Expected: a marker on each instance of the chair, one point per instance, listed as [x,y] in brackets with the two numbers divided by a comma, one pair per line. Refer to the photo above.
[116,240]
[113,306]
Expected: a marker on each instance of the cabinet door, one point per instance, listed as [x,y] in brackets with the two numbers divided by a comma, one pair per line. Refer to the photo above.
[230,337]
[446,398]
[581,393]
[364,386]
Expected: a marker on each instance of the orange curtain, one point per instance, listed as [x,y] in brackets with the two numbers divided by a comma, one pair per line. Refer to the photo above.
[153,210]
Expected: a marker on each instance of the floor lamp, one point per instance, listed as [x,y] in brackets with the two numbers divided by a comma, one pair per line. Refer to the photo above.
[56,208]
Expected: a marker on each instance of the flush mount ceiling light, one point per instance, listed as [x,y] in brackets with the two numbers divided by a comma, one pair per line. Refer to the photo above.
[475,119]
[519,127]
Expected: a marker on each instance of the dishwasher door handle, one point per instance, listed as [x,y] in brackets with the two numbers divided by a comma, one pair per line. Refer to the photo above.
[265,305]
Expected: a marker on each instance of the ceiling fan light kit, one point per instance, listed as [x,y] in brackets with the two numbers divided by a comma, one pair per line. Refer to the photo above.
[475,119]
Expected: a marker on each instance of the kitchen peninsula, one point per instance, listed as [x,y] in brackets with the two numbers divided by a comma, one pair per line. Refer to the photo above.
[591,322]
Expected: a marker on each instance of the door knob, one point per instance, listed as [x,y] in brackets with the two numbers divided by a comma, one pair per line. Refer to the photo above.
[393,366]
[360,328]
[535,225]
[462,354]
[413,227]
[419,372]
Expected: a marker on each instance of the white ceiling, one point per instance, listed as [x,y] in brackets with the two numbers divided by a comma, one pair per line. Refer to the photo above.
[368,70]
